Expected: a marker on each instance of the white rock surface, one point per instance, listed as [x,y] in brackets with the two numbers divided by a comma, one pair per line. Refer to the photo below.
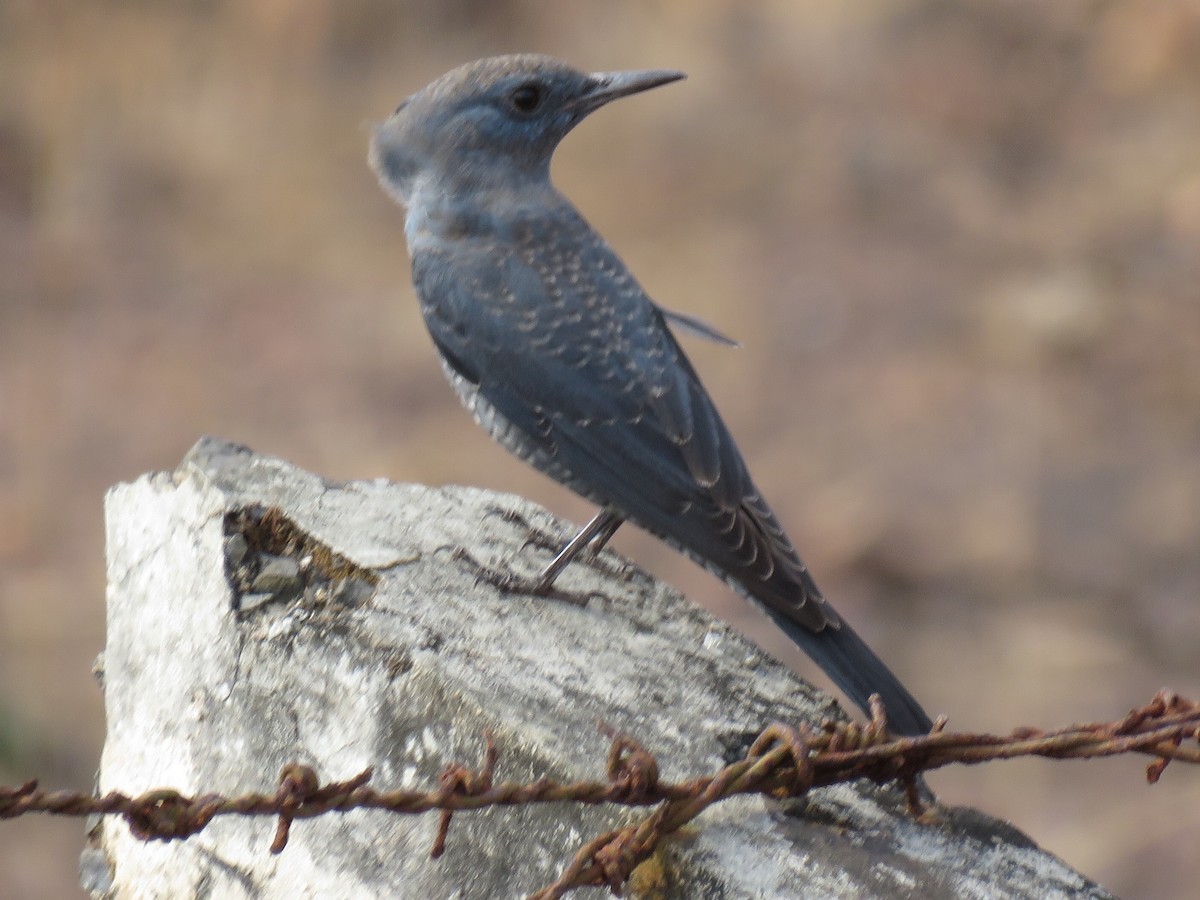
[393,657]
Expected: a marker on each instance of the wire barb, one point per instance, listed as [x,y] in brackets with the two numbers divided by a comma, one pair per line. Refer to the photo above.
[457,779]
[632,770]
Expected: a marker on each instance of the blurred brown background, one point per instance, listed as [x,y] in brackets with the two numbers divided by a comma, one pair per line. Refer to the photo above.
[958,240]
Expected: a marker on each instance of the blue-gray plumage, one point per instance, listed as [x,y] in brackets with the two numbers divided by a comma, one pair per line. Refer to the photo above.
[562,357]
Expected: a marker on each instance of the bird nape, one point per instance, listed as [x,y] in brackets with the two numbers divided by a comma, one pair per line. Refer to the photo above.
[564,359]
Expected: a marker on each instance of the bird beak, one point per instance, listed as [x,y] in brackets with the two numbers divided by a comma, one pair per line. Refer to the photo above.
[608,86]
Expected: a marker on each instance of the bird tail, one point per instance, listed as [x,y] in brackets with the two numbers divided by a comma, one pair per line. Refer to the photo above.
[854,667]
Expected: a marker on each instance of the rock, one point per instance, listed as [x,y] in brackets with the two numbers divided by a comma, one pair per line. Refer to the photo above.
[369,643]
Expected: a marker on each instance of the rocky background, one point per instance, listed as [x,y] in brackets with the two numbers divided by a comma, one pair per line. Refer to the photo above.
[957,240]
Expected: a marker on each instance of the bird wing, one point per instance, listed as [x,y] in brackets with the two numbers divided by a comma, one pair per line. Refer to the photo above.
[582,363]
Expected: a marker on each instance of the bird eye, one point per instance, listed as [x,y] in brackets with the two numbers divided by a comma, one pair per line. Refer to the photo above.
[526,98]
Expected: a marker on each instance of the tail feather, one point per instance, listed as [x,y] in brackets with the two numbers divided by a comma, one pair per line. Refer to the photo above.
[854,667]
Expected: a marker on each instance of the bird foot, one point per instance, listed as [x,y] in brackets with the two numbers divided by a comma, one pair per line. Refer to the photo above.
[508,583]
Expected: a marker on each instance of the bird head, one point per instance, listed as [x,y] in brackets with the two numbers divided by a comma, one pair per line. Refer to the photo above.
[492,122]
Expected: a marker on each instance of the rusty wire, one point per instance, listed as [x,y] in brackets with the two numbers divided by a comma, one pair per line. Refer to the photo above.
[784,761]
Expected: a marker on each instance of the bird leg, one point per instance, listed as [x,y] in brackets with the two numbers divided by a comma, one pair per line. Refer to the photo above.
[595,534]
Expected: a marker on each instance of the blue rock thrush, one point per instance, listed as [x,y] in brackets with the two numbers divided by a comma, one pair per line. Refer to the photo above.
[563,359]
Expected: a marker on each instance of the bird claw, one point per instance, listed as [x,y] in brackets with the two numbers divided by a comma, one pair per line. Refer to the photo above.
[538,538]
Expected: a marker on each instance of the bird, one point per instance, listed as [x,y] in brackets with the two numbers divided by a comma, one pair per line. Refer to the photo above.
[564,359]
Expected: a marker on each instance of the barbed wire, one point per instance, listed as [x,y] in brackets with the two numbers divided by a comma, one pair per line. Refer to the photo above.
[784,761]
